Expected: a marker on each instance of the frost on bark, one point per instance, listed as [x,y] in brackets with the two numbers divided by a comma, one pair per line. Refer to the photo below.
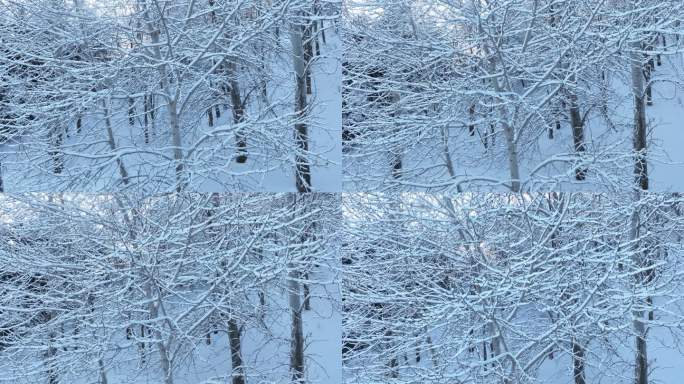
[236,352]
[577,124]
[302,167]
[639,133]
[297,334]
[642,184]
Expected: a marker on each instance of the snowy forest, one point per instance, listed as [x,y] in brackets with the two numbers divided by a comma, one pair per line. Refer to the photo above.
[176,288]
[341,191]
[511,95]
[513,288]
[214,95]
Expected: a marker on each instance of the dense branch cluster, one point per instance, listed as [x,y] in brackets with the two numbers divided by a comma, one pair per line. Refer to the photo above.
[507,288]
[501,94]
[111,287]
[327,191]
[162,95]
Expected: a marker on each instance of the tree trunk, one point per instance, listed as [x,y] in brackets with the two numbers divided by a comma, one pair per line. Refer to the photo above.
[302,168]
[103,372]
[396,165]
[512,150]
[649,67]
[50,359]
[172,108]
[447,156]
[308,54]
[151,113]
[177,144]
[641,375]
[471,115]
[640,165]
[307,294]
[153,307]
[236,352]
[641,358]
[56,152]
[577,133]
[509,131]
[238,117]
[146,112]
[131,111]
[112,144]
[297,341]
[578,362]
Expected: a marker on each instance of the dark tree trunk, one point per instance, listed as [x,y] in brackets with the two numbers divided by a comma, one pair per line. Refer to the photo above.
[131,111]
[640,165]
[141,344]
[297,337]
[649,67]
[642,183]
[146,107]
[641,360]
[577,133]
[303,172]
[238,117]
[393,363]
[396,166]
[307,294]
[152,107]
[56,153]
[578,362]
[308,54]
[236,352]
[51,355]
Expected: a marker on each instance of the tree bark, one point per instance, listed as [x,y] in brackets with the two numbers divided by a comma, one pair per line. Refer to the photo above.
[146,112]
[177,145]
[577,133]
[103,372]
[578,362]
[131,111]
[302,168]
[164,360]
[238,116]
[172,102]
[297,338]
[640,165]
[236,352]
[112,144]
[509,131]
[512,150]
[56,151]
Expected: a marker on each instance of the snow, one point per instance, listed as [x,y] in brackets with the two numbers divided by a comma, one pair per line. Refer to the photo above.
[545,163]
[91,166]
